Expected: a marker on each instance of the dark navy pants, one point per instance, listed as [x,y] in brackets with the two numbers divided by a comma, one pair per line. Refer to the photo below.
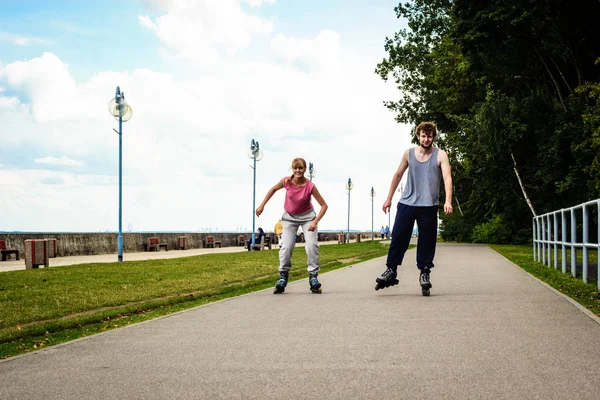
[406,216]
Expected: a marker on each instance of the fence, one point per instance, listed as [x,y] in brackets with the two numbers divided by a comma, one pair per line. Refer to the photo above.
[546,240]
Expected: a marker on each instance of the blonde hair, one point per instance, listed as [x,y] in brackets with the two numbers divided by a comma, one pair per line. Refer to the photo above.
[298,161]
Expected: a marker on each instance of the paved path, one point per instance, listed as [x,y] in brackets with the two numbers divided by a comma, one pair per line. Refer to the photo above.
[489,331]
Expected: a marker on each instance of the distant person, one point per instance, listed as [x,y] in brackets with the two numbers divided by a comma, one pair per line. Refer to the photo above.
[382,232]
[278,231]
[298,212]
[419,202]
[257,239]
[387,232]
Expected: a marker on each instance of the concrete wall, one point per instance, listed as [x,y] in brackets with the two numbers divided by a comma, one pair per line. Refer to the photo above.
[72,244]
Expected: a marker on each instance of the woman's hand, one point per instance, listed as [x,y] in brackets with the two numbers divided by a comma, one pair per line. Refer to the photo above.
[312,226]
[259,210]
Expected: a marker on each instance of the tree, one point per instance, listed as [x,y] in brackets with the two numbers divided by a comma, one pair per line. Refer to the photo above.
[505,81]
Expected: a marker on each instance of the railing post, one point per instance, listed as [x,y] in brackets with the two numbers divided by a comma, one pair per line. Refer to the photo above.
[598,244]
[543,240]
[555,240]
[549,236]
[573,240]
[534,231]
[564,240]
[539,230]
[585,241]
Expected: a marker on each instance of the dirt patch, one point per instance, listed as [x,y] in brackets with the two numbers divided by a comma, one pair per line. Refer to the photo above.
[348,260]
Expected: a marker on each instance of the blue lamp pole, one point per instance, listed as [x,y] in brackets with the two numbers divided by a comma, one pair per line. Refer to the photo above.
[349,186]
[256,154]
[372,214]
[122,112]
[311,170]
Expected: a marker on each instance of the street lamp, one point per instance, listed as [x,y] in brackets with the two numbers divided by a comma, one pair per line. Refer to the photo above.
[372,194]
[256,154]
[311,171]
[349,187]
[122,112]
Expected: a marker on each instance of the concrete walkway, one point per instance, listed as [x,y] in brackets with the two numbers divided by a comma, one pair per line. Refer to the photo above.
[488,331]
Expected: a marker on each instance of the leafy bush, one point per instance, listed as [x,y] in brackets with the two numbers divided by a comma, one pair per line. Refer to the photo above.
[455,228]
[493,231]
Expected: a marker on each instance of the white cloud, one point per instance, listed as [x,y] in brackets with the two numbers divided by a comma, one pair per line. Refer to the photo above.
[320,52]
[20,40]
[204,31]
[65,161]
[258,3]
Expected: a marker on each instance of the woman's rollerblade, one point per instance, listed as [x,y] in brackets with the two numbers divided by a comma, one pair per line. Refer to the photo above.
[387,279]
[315,285]
[281,283]
[424,281]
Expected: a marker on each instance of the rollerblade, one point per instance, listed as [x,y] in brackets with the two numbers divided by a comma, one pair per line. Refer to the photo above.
[425,282]
[281,283]
[387,279]
[315,285]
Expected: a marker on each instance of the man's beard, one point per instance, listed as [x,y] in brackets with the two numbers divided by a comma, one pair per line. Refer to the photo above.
[426,147]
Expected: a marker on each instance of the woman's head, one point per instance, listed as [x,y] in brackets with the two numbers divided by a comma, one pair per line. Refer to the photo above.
[298,167]
[260,230]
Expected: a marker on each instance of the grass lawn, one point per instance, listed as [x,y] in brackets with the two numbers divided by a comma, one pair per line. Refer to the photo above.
[585,294]
[44,307]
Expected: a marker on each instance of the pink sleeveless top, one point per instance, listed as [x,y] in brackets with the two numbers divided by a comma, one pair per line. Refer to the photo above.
[297,198]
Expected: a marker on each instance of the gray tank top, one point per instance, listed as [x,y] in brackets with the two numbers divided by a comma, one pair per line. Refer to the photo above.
[423,183]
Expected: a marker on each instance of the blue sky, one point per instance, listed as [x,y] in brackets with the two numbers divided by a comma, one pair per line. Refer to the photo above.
[203,78]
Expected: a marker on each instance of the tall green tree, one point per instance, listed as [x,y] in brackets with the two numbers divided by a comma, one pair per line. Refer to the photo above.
[507,82]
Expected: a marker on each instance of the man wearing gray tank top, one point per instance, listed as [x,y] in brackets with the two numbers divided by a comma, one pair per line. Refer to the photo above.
[419,203]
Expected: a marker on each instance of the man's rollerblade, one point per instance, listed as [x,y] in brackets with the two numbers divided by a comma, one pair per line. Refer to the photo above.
[425,282]
[281,283]
[387,279]
[315,285]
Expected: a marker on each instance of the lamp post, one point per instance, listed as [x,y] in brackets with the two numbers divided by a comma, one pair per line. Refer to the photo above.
[256,154]
[349,187]
[122,112]
[372,194]
[311,170]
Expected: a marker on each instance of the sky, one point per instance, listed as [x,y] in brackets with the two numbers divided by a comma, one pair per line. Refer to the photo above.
[203,79]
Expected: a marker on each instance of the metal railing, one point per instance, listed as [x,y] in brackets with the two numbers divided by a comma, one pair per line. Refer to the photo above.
[546,240]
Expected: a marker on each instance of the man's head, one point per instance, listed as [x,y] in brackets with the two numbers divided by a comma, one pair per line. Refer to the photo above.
[426,133]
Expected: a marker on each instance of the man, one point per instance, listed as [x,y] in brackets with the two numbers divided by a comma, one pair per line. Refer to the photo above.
[278,231]
[419,202]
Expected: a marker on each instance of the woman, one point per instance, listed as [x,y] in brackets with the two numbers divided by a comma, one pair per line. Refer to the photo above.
[299,212]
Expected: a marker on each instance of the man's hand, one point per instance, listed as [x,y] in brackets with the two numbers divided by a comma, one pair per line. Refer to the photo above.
[448,208]
[386,206]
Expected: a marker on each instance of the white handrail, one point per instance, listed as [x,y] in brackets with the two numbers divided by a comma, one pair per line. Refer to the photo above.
[546,232]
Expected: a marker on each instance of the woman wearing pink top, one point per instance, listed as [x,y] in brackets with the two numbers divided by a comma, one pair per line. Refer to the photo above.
[298,212]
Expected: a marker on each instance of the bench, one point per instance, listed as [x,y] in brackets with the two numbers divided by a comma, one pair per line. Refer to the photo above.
[6,251]
[264,242]
[154,244]
[211,242]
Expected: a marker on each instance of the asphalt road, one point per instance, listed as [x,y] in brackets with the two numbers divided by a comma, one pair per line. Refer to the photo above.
[488,331]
